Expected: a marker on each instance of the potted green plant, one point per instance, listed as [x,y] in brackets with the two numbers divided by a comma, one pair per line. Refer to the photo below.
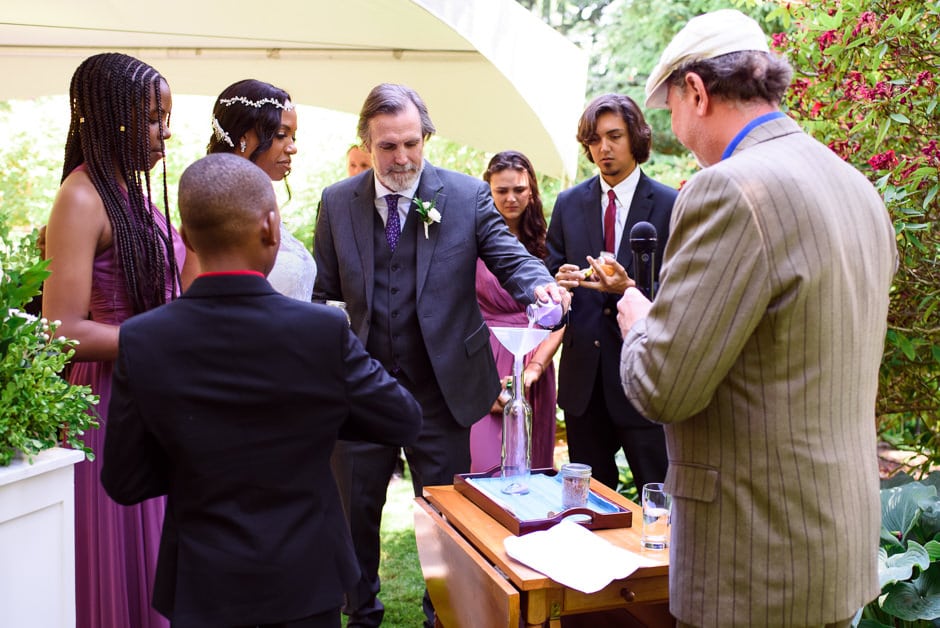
[38,408]
[909,556]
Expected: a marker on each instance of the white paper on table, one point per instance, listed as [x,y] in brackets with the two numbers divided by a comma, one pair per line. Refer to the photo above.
[572,555]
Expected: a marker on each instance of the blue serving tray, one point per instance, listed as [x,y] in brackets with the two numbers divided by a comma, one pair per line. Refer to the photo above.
[541,507]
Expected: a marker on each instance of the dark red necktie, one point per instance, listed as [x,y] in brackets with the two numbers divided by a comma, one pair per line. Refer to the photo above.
[610,221]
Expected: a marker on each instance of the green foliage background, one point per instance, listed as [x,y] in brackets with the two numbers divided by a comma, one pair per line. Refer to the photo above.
[866,83]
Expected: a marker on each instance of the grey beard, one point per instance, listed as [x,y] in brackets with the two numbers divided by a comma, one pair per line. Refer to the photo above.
[397,181]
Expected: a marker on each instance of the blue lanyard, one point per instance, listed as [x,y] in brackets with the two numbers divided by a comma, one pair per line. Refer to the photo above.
[756,122]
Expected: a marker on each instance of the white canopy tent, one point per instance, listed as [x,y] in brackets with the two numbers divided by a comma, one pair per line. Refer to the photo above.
[494,76]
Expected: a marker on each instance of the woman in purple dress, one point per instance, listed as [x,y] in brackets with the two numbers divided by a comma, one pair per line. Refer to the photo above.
[113,255]
[516,195]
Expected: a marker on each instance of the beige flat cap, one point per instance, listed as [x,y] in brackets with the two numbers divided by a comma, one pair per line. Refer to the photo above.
[705,36]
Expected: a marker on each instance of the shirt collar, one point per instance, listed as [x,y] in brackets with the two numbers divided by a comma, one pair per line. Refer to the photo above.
[223,273]
[750,126]
[624,190]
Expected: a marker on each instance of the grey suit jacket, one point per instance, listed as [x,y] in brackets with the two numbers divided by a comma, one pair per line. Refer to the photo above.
[456,338]
[761,355]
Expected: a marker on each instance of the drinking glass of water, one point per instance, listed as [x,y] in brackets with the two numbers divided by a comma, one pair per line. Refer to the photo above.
[657,509]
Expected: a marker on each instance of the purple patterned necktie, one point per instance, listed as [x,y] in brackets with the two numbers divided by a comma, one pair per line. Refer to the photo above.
[393,223]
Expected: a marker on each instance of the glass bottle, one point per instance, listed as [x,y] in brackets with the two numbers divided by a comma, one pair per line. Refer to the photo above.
[544,314]
[517,442]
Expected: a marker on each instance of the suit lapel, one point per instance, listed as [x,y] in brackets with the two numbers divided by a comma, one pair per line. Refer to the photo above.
[362,215]
[640,209]
[429,188]
[592,219]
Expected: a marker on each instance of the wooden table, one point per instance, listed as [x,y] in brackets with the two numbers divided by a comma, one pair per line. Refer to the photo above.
[473,582]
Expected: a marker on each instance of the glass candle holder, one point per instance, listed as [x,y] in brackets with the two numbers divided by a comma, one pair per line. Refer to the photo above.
[575,484]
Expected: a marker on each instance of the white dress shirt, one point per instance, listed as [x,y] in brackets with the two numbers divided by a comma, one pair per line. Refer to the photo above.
[404,200]
[624,191]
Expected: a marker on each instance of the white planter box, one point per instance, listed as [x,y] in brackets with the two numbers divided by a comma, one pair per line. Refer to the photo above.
[37,541]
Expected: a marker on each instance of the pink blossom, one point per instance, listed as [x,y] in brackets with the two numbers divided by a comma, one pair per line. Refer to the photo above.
[924,78]
[827,39]
[779,40]
[905,174]
[854,86]
[798,87]
[883,161]
[866,21]
[844,148]
[931,151]
[882,90]
[817,107]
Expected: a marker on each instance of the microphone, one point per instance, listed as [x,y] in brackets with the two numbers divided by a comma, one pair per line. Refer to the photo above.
[643,245]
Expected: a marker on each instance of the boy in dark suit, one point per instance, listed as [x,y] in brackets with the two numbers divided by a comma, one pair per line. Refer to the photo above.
[229,400]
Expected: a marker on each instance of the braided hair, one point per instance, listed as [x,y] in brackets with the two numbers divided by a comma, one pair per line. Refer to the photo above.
[532,224]
[110,100]
[243,106]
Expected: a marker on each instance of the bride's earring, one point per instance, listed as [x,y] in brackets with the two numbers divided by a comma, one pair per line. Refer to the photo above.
[243,145]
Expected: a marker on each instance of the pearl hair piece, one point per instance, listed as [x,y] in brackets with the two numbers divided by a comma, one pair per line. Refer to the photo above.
[228,102]
[220,133]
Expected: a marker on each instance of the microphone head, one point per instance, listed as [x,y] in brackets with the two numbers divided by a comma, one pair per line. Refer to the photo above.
[642,233]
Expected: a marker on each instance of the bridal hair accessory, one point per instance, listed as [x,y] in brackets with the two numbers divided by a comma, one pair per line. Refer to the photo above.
[228,102]
[221,134]
[428,212]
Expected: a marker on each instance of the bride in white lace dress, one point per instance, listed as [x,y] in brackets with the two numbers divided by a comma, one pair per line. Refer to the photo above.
[257,121]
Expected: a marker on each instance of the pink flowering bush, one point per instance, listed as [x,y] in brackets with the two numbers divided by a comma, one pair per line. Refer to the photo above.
[866,83]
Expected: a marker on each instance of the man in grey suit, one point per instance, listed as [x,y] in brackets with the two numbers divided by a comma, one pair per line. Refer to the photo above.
[399,245]
[761,350]
[594,215]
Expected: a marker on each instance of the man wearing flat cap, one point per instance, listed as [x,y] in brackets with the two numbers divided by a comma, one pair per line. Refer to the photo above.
[761,352]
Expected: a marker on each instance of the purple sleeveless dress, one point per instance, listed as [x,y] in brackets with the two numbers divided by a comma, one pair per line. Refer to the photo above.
[115,546]
[501,310]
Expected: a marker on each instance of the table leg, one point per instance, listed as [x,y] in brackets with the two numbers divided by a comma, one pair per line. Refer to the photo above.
[543,607]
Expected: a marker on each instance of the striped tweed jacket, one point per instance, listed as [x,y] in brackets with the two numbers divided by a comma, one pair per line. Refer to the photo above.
[761,356]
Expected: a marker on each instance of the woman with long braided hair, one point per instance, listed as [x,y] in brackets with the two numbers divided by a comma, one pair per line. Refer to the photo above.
[113,255]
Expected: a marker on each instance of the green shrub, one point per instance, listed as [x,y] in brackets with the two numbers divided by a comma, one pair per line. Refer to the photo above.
[865,82]
[909,556]
[38,408]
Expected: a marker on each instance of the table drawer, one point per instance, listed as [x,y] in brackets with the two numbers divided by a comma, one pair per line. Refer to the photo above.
[618,593]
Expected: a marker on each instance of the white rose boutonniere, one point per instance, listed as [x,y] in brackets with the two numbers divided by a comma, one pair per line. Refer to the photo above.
[428,213]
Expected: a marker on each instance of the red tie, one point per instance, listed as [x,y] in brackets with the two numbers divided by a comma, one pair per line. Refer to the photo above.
[610,221]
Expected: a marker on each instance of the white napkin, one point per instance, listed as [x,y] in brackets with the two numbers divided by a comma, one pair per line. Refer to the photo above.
[572,555]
